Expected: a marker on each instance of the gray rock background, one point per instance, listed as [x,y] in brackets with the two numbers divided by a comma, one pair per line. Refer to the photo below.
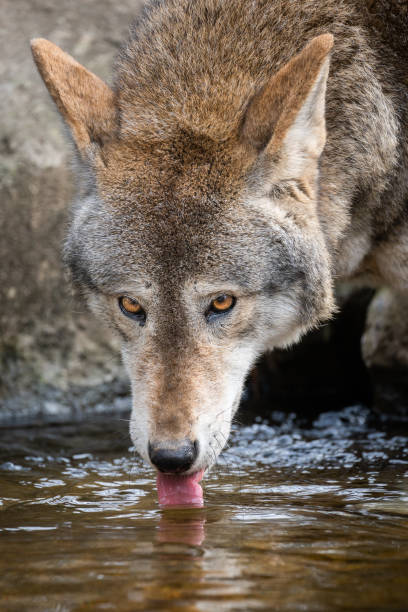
[56,362]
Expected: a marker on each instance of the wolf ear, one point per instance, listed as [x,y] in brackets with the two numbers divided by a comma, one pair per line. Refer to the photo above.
[287,116]
[83,99]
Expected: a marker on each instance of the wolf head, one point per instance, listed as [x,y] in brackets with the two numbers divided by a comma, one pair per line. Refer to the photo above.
[202,247]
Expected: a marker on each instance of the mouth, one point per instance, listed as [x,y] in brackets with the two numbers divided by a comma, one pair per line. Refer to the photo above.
[180,490]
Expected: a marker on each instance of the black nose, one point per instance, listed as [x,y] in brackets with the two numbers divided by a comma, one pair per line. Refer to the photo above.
[173,457]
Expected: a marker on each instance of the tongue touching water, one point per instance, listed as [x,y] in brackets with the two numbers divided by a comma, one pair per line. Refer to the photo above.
[180,490]
[297,516]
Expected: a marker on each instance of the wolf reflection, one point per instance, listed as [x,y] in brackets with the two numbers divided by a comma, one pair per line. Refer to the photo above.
[177,527]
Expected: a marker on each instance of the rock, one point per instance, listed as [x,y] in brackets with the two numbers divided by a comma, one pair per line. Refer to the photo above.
[56,363]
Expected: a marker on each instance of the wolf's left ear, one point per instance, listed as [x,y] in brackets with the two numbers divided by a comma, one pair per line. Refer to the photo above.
[287,117]
[83,99]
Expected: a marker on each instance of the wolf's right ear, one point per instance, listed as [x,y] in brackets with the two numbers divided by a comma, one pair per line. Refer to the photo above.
[83,99]
[286,118]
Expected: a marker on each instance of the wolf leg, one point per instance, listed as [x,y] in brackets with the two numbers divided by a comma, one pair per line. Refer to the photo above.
[385,350]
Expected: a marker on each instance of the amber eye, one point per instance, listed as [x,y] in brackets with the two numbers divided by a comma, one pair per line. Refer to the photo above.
[131,308]
[221,304]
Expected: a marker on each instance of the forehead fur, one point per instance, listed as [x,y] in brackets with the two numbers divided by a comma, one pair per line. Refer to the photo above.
[171,197]
[187,166]
[197,63]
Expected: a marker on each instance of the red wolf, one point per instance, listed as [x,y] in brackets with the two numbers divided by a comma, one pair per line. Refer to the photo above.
[249,153]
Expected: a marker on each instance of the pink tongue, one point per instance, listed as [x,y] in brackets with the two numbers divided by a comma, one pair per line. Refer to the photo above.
[180,490]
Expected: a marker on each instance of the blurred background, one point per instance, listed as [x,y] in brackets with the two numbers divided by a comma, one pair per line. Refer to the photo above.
[57,364]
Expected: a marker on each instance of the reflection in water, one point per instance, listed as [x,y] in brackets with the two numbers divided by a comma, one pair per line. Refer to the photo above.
[297,517]
[182,527]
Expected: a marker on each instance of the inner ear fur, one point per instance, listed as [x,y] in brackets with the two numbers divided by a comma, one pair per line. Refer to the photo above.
[86,103]
[299,85]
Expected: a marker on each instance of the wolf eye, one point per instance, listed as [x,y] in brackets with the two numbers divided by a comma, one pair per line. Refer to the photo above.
[131,308]
[221,304]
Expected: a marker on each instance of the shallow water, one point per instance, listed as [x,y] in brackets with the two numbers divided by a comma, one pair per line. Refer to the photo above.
[297,517]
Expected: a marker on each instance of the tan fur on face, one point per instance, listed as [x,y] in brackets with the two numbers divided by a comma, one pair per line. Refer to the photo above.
[188,391]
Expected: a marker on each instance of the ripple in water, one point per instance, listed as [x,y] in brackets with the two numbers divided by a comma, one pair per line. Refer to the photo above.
[297,517]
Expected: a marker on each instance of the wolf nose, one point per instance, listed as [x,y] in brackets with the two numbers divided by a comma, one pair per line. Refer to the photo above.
[173,458]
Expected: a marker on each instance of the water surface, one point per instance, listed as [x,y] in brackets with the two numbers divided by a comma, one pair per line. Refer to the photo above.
[298,516]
